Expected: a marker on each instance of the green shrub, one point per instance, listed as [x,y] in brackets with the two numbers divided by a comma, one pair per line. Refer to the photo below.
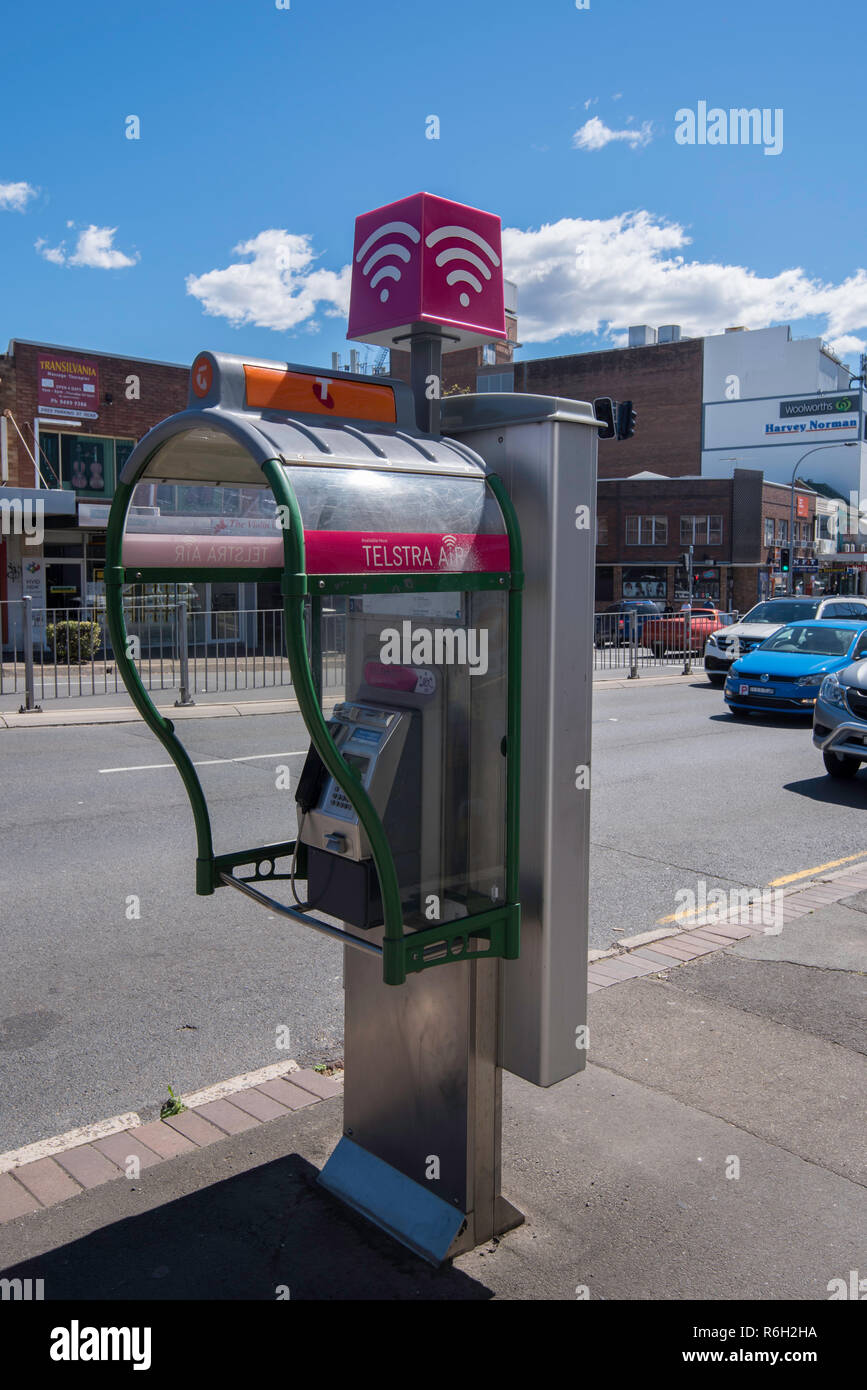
[74,641]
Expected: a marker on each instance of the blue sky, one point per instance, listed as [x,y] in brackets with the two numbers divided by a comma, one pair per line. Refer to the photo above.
[270,129]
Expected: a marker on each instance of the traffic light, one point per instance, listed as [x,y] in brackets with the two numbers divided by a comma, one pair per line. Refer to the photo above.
[605,410]
[785,557]
[626,419]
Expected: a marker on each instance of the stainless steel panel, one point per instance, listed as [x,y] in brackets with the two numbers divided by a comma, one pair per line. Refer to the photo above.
[547,461]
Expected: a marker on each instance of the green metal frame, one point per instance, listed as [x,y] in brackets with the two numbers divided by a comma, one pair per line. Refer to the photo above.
[493,932]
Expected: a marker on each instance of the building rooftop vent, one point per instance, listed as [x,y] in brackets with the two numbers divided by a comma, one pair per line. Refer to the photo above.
[668,333]
[641,335]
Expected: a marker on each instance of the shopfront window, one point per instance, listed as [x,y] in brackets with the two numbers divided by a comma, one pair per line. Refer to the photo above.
[645,583]
[85,464]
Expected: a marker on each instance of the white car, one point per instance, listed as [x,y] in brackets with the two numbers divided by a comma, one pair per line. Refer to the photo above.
[728,643]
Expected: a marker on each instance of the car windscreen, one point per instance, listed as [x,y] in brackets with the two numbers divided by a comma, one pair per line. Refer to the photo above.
[781,612]
[810,641]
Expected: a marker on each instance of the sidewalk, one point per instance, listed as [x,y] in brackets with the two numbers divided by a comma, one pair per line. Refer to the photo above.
[119,709]
[712,1149]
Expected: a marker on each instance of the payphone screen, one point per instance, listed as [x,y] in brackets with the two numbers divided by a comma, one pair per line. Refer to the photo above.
[358,764]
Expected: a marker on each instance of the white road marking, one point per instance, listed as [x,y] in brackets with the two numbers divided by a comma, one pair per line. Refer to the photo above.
[206,762]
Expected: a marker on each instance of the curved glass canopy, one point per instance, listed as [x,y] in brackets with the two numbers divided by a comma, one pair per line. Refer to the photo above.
[384,515]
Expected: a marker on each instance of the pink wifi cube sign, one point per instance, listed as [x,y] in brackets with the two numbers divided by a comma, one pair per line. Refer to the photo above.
[427,260]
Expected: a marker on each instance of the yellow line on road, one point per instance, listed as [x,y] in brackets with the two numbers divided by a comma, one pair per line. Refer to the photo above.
[820,868]
[774,883]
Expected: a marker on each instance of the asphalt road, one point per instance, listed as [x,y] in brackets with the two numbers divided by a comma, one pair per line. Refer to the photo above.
[100,1010]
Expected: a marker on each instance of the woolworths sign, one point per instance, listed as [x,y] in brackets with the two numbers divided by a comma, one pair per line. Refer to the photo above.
[819,405]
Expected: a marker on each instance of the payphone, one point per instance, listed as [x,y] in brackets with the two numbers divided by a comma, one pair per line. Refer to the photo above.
[403,842]
[374,742]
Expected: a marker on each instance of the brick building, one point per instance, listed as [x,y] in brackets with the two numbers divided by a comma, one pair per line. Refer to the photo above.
[69,418]
[646,523]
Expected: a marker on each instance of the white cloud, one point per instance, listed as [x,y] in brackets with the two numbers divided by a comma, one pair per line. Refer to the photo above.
[576,277]
[591,101]
[93,248]
[55,254]
[277,288]
[582,276]
[14,197]
[847,345]
[595,135]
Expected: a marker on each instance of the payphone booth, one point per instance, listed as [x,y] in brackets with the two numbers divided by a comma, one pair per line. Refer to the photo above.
[406,842]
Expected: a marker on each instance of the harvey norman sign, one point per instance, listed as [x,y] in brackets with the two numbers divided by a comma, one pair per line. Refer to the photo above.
[781,420]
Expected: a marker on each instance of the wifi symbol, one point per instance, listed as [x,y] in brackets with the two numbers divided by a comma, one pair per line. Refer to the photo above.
[460,253]
[390,250]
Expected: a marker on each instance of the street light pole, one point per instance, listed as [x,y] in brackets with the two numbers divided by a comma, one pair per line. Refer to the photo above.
[848,444]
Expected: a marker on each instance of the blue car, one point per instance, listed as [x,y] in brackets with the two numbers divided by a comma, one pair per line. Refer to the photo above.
[784,673]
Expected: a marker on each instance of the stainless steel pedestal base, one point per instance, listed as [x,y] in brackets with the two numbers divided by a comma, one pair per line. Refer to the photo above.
[422,1122]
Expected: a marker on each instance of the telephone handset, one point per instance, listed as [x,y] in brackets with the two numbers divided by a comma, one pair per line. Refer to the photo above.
[314,775]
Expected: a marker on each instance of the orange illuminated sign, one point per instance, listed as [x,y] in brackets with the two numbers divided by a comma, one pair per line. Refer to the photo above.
[203,376]
[802,506]
[306,394]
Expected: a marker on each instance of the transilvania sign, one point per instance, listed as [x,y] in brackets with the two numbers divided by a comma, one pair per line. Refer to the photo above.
[68,386]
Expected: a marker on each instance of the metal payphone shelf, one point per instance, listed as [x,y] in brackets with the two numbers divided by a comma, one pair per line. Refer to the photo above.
[461,939]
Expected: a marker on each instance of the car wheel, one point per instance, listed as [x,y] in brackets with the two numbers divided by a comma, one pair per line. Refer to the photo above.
[715,679]
[840,764]
[658,649]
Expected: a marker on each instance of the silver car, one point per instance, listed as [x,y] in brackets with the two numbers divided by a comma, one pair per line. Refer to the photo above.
[840,716]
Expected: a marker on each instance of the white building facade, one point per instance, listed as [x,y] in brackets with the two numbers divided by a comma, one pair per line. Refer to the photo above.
[784,406]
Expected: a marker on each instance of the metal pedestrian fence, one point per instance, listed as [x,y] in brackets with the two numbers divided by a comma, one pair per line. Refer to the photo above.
[61,653]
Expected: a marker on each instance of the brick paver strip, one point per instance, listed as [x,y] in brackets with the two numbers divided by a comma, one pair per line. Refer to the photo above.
[714,934]
[194,1127]
[120,1147]
[611,969]
[321,1086]
[668,948]
[259,1106]
[163,1139]
[226,1116]
[647,953]
[15,1200]
[287,1094]
[47,1181]
[696,945]
[591,988]
[599,977]
[88,1166]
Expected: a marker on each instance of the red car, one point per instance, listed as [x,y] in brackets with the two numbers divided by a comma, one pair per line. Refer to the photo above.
[668,633]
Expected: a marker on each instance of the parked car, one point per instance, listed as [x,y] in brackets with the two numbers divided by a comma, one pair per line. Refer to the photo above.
[766,618]
[668,633]
[613,623]
[840,718]
[785,672]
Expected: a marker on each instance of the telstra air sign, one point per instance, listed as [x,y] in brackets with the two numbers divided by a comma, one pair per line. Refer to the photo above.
[427,260]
